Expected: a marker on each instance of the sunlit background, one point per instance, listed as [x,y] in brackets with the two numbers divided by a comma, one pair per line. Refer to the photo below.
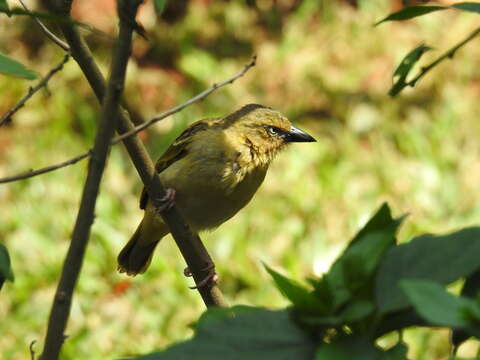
[321,63]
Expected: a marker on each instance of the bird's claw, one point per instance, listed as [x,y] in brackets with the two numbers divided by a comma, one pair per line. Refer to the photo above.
[210,279]
[167,201]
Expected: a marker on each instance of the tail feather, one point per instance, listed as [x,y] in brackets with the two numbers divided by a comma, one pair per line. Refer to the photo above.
[136,255]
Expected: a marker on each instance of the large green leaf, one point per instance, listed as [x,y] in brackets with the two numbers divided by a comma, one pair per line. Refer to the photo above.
[8,66]
[354,312]
[437,306]
[242,333]
[468,6]
[301,297]
[406,65]
[6,272]
[443,259]
[353,271]
[380,220]
[411,12]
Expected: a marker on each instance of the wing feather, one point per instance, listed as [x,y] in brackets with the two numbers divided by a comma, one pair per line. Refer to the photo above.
[178,150]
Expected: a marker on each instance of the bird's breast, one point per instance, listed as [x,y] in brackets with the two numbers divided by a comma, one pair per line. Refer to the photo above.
[210,190]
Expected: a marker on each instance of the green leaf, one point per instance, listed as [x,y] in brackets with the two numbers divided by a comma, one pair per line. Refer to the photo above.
[50,17]
[380,220]
[406,65]
[398,321]
[398,352]
[435,304]
[470,289]
[348,348]
[242,333]
[410,13]
[359,348]
[357,311]
[443,259]
[4,6]
[11,67]
[353,271]
[159,6]
[301,297]
[6,272]
[468,6]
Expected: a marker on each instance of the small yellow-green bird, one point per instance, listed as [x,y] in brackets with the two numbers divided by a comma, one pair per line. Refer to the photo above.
[212,170]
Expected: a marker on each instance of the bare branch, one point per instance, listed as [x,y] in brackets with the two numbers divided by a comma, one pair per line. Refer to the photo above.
[73,261]
[137,129]
[191,101]
[47,32]
[43,82]
[32,173]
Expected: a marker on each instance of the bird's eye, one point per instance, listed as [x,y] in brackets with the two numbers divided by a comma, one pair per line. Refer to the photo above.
[272,130]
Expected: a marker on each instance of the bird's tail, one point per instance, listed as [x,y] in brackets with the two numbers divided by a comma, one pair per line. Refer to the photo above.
[136,255]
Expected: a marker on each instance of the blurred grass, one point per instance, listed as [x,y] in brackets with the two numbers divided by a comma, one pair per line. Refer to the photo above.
[328,69]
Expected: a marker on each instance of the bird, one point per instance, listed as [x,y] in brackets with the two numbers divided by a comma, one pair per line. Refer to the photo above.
[211,171]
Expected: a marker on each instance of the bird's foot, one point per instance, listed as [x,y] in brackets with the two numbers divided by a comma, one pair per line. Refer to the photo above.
[211,278]
[167,201]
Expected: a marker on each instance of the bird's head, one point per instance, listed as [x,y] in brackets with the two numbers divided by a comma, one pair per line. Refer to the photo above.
[265,130]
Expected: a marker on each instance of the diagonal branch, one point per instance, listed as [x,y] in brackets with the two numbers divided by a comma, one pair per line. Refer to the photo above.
[43,82]
[47,32]
[137,129]
[81,232]
[189,102]
[190,245]
[449,54]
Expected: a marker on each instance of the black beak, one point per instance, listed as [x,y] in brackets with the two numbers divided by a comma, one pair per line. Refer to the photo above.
[297,135]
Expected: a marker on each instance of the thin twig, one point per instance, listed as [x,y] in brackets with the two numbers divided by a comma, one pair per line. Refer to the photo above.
[193,251]
[32,350]
[191,101]
[449,54]
[47,169]
[47,32]
[43,82]
[137,129]
[73,261]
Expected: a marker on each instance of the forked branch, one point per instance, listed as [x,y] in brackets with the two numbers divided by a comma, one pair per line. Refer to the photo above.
[137,129]
[190,245]
[73,261]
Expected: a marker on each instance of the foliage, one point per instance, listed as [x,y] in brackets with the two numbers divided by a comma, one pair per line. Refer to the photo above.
[12,67]
[409,61]
[323,65]
[159,6]
[6,272]
[343,313]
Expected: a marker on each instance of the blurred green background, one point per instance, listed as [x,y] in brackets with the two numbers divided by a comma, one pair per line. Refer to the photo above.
[321,63]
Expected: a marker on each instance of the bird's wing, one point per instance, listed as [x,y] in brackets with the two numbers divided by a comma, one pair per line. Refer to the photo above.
[178,150]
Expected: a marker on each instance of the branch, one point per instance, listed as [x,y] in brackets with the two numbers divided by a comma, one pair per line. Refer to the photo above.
[81,232]
[449,54]
[190,245]
[32,350]
[43,82]
[189,102]
[137,129]
[47,32]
